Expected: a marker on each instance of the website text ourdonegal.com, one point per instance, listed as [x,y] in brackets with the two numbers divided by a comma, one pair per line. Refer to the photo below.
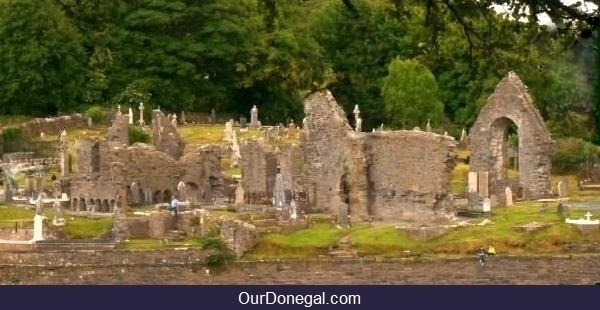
[306,300]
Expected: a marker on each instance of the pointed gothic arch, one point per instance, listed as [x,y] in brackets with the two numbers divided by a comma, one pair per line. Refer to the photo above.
[510,104]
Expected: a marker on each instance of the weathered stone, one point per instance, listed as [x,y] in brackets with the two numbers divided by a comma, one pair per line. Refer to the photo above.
[511,104]
[165,136]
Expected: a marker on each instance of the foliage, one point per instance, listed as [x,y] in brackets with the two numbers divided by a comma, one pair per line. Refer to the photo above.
[96,113]
[137,134]
[12,134]
[571,153]
[409,94]
[41,59]
[219,254]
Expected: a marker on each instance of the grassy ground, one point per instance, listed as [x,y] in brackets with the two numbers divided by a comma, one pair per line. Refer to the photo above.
[76,227]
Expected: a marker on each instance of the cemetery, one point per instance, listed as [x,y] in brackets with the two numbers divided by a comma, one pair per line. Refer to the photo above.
[202,194]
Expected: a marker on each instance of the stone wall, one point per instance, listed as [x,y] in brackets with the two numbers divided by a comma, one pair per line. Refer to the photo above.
[119,131]
[54,125]
[239,236]
[328,151]
[140,174]
[511,104]
[187,267]
[165,136]
[259,167]
[414,181]
[401,175]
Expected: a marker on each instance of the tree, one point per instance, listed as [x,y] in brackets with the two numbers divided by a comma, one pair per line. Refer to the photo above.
[409,94]
[41,59]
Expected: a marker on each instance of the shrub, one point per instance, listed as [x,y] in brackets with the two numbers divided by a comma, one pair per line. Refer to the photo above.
[571,153]
[11,133]
[96,114]
[137,134]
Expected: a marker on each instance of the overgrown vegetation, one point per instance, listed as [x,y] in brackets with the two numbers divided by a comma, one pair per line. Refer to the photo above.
[137,134]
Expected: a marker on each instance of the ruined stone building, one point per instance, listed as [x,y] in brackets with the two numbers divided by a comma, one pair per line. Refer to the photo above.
[387,174]
[111,172]
[510,105]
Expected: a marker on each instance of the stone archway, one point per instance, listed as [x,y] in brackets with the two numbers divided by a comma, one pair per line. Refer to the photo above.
[510,104]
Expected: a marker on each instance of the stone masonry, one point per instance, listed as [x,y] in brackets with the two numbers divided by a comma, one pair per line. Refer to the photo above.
[112,173]
[396,175]
[411,183]
[511,104]
[165,136]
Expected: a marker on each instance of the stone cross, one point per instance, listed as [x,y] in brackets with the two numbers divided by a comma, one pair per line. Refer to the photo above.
[174,120]
[588,216]
[119,110]
[141,108]
[64,156]
[428,126]
[358,125]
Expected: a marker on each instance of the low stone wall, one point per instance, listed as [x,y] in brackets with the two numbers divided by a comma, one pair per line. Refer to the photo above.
[54,125]
[186,267]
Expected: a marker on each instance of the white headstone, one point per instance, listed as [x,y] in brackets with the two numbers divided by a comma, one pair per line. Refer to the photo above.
[358,125]
[38,227]
[487,204]
[509,196]
[293,211]
[472,182]
[254,123]
[428,126]
[130,116]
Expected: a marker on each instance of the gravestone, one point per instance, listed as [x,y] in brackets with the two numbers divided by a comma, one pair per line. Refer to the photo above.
[181,191]
[135,193]
[463,136]
[174,120]
[243,122]
[562,189]
[64,155]
[239,194]
[428,126]
[235,152]
[509,196]
[228,131]
[487,205]
[141,109]
[254,122]
[130,116]
[472,182]
[342,214]
[293,210]
[278,192]
[213,116]
[182,118]
[483,183]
